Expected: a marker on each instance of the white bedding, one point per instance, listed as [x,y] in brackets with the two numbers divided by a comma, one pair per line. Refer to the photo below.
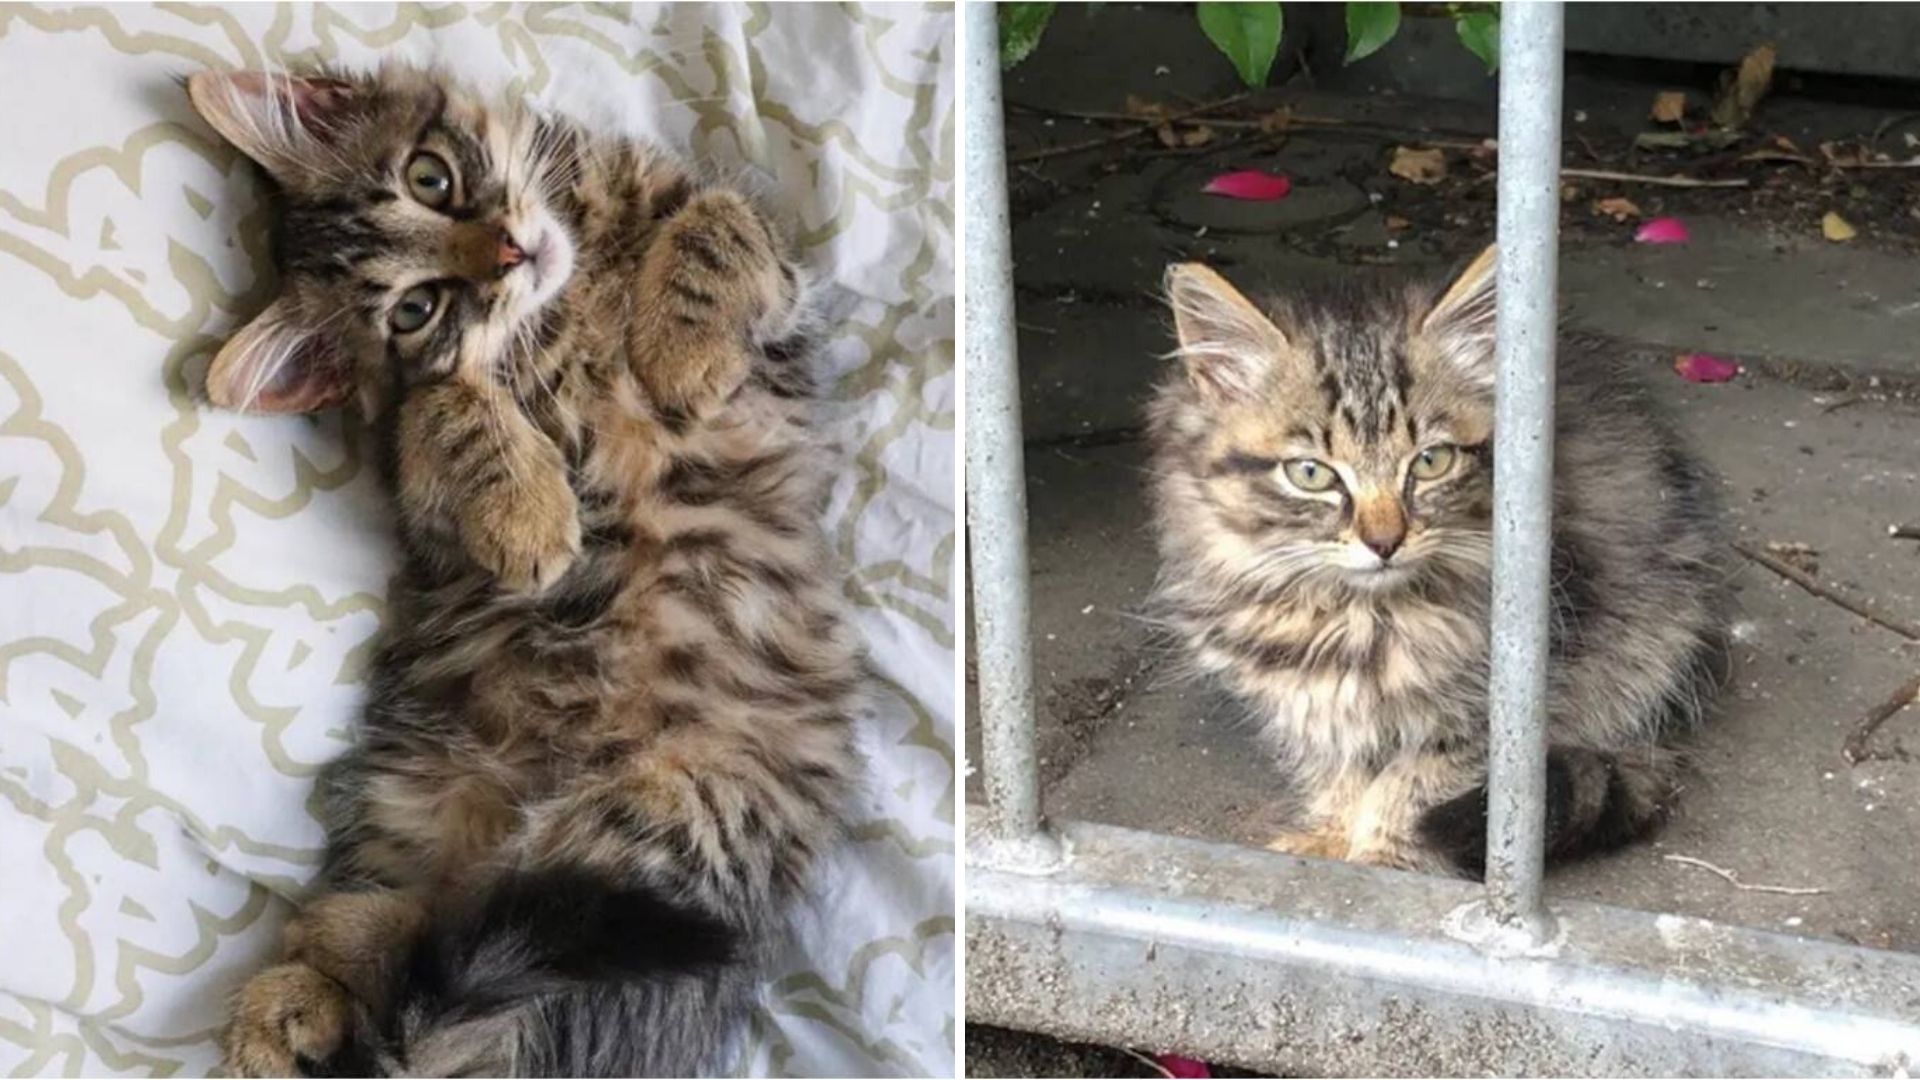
[186,596]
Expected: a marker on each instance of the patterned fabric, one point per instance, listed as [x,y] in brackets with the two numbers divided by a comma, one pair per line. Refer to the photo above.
[187,597]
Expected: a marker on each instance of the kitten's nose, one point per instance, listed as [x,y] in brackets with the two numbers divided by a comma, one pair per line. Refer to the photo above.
[1380,523]
[510,253]
[1384,546]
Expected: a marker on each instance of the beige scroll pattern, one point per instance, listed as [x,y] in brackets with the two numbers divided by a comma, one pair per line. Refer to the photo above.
[187,597]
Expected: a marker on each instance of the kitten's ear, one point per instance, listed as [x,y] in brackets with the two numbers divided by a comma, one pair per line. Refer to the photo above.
[1467,304]
[277,120]
[1464,315]
[1226,342]
[274,365]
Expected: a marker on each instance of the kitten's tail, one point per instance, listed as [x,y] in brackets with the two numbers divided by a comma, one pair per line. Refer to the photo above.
[535,933]
[1596,801]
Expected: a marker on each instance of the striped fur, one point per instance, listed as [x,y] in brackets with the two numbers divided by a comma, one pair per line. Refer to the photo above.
[609,725]
[1323,481]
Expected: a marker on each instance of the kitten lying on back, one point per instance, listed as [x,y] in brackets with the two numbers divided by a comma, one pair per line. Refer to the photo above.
[608,732]
[1323,489]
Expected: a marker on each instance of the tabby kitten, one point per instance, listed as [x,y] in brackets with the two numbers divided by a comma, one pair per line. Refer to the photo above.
[609,724]
[1323,482]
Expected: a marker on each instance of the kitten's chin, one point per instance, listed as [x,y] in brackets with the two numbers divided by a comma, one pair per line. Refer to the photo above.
[1382,578]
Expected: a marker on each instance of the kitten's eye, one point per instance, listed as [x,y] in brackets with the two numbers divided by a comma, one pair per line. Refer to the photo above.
[1433,463]
[1310,475]
[429,179]
[415,309]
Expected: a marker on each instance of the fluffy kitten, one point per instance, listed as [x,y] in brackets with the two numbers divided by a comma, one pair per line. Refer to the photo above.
[1323,475]
[609,724]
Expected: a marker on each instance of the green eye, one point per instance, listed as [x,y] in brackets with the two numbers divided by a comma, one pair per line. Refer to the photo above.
[415,309]
[429,179]
[1433,463]
[1310,475]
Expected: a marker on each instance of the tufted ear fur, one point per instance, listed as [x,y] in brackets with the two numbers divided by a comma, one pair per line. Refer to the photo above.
[1462,320]
[280,121]
[275,365]
[1226,342]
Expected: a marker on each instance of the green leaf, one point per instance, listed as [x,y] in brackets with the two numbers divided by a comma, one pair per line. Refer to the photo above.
[1249,33]
[1480,32]
[1369,26]
[1021,26]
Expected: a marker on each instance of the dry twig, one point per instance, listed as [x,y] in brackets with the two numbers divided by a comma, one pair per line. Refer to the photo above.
[1733,879]
[1855,748]
[1158,1069]
[1147,126]
[1657,181]
[1858,605]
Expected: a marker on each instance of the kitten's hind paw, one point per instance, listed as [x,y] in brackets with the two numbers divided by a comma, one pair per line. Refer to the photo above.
[289,1020]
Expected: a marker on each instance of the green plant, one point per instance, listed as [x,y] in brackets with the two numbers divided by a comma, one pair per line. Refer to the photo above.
[1248,33]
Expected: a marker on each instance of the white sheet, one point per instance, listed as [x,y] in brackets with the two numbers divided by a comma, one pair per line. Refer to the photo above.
[186,596]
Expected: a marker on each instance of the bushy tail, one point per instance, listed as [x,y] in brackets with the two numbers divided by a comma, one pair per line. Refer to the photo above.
[1596,801]
[534,934]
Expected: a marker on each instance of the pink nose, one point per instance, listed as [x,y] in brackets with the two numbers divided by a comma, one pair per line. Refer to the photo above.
[510,253]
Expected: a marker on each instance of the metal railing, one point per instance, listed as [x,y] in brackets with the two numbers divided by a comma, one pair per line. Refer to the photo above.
[1132,938]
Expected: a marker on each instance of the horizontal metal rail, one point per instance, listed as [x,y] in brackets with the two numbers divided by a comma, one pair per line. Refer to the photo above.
[1237,955]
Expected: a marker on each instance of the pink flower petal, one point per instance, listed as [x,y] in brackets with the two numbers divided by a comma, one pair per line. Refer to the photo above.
[1251,184]
[1183,1066]
[1662,230]
[1702,368]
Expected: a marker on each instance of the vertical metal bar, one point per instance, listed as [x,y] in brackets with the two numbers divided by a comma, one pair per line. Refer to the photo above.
[996,463]
[1531,40]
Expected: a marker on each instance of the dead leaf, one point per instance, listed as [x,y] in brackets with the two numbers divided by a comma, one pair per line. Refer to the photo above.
[1569,193]
[1617,208]
[1175,138]
[1835,228]
[1277,121]
[1396,223]
[1669,106]
[1418,166]
[1144,109]
[1842,155]
[1743,90]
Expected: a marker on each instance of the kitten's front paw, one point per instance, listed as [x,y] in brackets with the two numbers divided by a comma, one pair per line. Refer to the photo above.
[527,536]
[696,376]
[715,275]
[287,1021]
[1322,843]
